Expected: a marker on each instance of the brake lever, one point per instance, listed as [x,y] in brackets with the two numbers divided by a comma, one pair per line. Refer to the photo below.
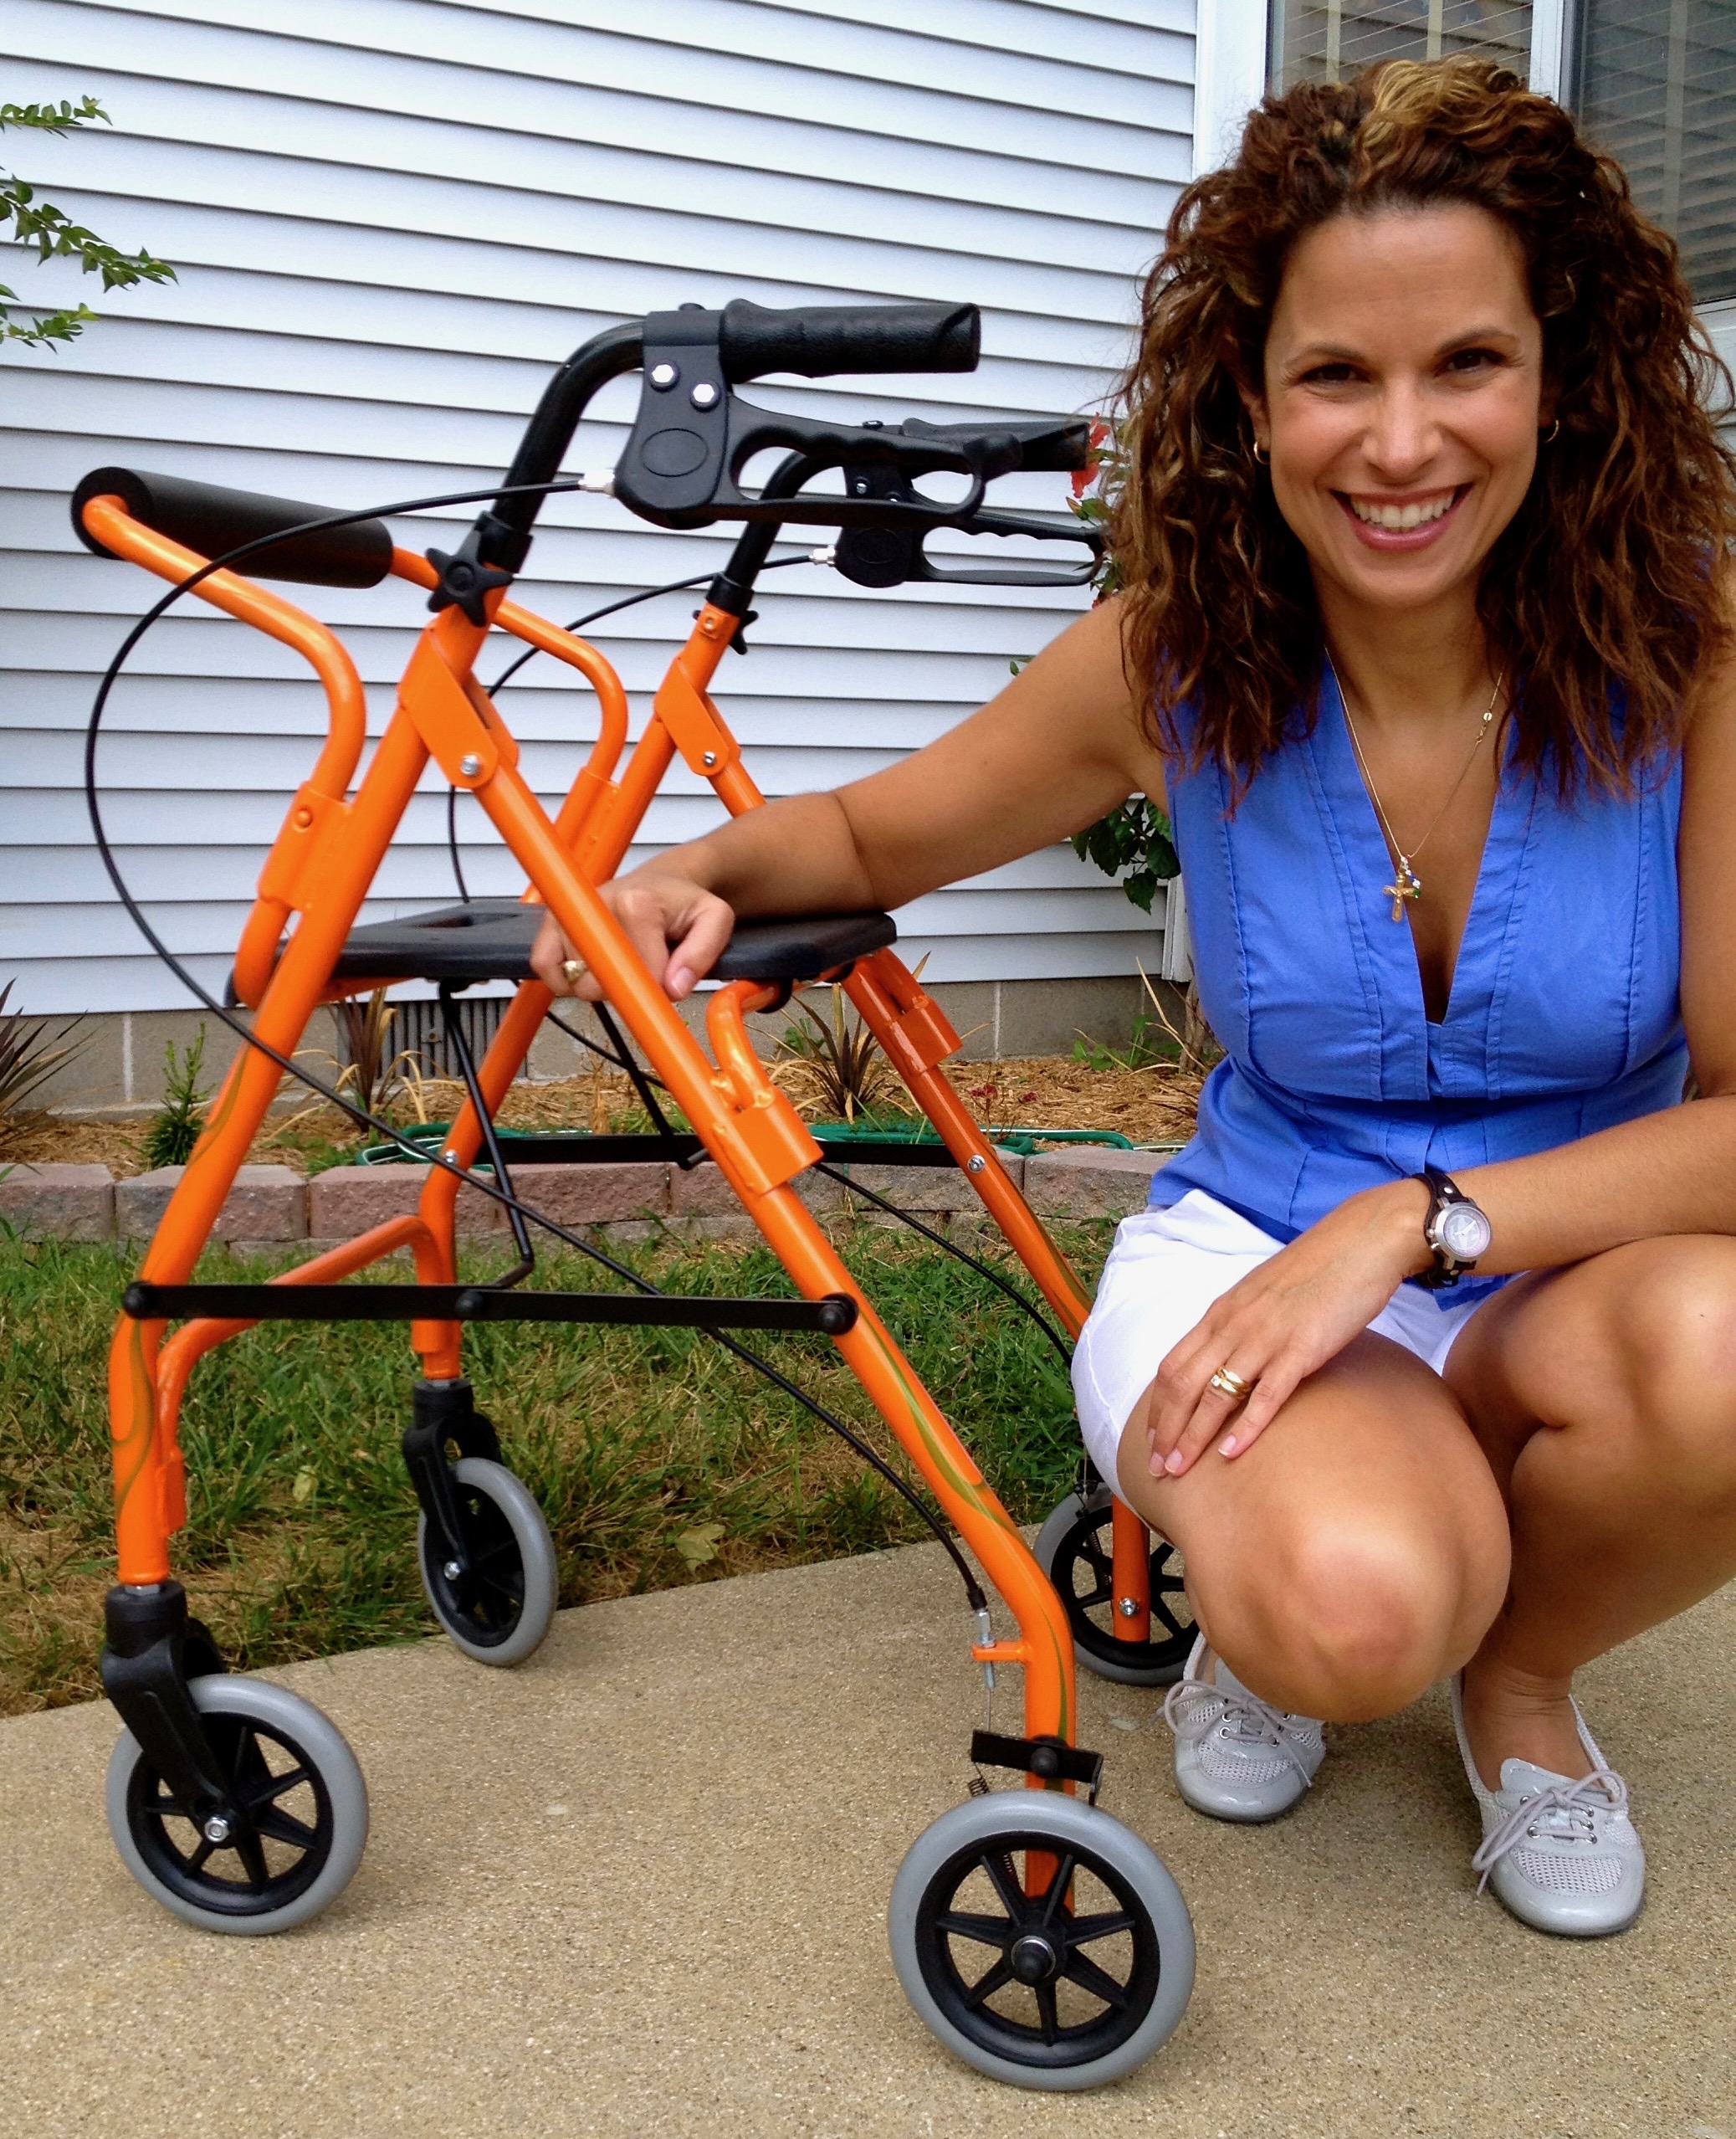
[883,555]
[1044,526]
[693,436]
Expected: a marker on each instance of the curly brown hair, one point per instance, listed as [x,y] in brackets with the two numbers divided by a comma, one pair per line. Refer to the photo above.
[1220,604]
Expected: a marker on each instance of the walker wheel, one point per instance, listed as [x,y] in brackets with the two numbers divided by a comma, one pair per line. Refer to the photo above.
[1067,1987]
[499,1610]
[1074,1550]
[296,1779]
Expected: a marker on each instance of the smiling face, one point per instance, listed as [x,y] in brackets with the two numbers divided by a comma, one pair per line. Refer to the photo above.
[1404,392]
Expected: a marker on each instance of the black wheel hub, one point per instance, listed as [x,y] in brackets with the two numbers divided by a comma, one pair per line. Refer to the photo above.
[1052,1977]
[485,1601]
[276,1851]
[1033,1959]
[1083,1574]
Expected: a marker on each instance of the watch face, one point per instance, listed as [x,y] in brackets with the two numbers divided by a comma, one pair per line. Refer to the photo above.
[1463,1232]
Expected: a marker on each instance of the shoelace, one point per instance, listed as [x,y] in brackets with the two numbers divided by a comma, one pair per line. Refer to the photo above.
[1578,1810]
[1255,1721]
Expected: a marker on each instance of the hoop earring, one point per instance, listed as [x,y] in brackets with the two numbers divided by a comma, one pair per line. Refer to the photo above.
[1260,459]
[1549,436]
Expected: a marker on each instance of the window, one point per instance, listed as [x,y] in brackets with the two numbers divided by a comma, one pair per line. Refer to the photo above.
[1655,84]
[1325,40]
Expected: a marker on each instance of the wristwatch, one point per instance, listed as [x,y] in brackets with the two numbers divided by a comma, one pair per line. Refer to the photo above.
[1456,1230]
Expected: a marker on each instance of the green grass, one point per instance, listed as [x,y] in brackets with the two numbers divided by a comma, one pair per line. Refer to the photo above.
[658,1458]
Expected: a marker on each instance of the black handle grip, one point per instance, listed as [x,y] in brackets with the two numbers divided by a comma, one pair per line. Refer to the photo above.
[817,340]
[212,520]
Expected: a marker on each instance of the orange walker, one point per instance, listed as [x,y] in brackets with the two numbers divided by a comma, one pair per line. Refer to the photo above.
[1040,1940]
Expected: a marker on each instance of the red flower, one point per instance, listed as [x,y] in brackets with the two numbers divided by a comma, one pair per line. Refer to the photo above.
[1085,477]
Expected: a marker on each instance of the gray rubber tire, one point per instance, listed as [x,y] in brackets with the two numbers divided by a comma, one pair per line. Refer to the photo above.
[529,1529]
[1072,1824]
[1050,1540]
[324,1749]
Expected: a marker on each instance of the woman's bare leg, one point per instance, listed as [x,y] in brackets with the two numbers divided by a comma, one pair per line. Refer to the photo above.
[1355,1554]
[1605,1397]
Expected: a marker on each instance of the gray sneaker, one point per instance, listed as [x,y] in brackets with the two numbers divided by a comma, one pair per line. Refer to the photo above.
[1562,1855]
[1237,1756]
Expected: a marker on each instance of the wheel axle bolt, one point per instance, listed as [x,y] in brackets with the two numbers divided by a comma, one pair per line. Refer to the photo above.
[1127,1607]
[452,1571]
[216,1828]
[1034,1959]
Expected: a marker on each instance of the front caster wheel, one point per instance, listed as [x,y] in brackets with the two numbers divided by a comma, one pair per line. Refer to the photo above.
[1073,1549]
[297,1781]
[1064,1988]
[499,1610]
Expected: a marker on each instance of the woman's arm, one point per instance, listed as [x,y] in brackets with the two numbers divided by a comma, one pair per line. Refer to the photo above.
[1056,750]
[1669,1173]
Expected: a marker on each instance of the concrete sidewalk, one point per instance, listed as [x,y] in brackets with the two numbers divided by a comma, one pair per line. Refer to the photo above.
[640,1885]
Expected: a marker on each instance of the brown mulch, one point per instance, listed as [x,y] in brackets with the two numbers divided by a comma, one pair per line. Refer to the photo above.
[1151,1106]
[1154,1105]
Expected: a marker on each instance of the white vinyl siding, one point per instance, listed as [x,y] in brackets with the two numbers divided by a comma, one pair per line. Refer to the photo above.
[390,219]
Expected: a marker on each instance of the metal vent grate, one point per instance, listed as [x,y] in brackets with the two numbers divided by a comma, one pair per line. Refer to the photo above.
[418,1030]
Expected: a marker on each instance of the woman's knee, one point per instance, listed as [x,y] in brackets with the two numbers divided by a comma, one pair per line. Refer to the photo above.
[1353,1621]
[1675,1345]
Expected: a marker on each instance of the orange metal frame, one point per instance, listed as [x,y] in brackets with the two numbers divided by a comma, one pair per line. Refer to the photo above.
[318,873]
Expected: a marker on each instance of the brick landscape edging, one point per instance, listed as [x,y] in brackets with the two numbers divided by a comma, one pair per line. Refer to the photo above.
[270,1206]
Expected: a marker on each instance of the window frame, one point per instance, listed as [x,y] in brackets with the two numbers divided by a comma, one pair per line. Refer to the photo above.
[1232,57]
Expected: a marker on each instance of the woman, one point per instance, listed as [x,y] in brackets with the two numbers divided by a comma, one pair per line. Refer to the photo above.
[1425,641]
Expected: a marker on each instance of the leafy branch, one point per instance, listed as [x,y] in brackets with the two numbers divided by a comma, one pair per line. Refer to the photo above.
[56,236]
[1134,837]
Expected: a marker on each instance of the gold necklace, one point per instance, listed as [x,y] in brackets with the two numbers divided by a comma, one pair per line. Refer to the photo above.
[1405,883]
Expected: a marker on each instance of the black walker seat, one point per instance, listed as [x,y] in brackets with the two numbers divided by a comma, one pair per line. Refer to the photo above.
[490,940]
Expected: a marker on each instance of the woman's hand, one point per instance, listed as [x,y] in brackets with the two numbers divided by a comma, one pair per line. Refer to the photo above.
[1283,1322]
[677,927]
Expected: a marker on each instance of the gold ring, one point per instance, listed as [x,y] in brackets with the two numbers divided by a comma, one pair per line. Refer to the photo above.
[1231,1384]
[573,970]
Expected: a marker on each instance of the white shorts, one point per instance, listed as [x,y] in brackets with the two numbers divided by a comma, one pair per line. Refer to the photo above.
[1166,1269]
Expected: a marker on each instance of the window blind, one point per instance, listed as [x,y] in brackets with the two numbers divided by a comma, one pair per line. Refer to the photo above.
[1657,88]
[1329,40]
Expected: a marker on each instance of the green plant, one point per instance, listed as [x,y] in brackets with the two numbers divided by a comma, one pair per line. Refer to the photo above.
[29,1055]
[1141,1051]
[372,1074]
[835,1065]
[1133,839]
[175,1128]
[56,236]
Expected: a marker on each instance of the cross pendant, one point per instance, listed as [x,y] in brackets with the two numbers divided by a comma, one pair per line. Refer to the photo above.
[1406,884]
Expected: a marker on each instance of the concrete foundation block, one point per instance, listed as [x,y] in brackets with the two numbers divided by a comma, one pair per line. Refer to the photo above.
[926,1188]
[141,1202]
[346,1200]
[59,1201]
[701,1192]
[265,1203]
[1090,1181]
[595,1195]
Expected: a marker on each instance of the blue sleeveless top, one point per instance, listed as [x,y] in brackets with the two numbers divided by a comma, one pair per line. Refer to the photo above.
[1563,1016]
